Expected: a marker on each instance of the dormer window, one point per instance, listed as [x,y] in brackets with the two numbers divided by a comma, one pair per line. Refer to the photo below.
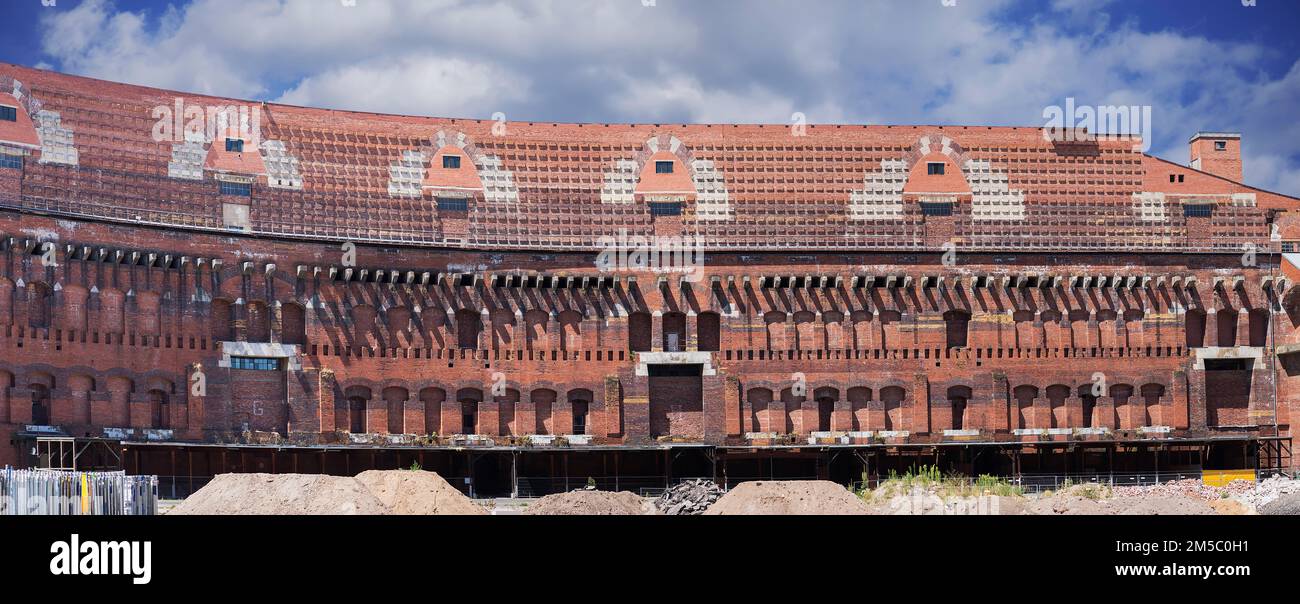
[453,204]
[934,168]
[242,189]
[8,114]
[451,162]
[664,167]
[1220,145]
[1198,210]
[235,145]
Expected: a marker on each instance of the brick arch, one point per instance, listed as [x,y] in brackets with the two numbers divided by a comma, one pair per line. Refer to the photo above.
[758,401]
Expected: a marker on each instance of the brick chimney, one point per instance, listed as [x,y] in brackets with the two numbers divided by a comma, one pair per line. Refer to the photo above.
[1218,153]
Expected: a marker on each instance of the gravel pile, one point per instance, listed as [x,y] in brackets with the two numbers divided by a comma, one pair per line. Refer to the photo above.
[690,498]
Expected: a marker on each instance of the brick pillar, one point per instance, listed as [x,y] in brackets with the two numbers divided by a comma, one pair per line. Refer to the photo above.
[842,416]
[1175,415]
[776,415]
[657,331]
[1105,412]
[692,342]
[451,415]
[1074,412]
[1243,327]
[636,406]
[20,410]
[376,414]
[562,411]
[875,413]
[735,415]
[1042,407]
[999,406]
[920,403]
[140,414]
[413,414]
[807,415]
[719,398]
[1196,401]
[489,416]
[613,408]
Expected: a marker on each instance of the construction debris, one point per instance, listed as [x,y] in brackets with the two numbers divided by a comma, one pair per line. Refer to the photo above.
[689,498]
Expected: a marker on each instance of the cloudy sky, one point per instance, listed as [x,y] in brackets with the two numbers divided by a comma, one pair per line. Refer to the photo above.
[1199,65]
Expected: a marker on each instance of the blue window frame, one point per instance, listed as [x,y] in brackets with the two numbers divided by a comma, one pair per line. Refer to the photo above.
[665,208]
[235,145]
[236,188]
[936,208]
[664,167]
[451,162]
[11,161]
[1199,210]
[934,168]
[8,114]
[453,204]
[255,363]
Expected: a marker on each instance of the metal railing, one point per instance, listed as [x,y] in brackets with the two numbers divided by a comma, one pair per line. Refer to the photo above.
[71,493]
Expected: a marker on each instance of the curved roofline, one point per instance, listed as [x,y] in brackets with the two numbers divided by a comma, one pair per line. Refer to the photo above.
[271,104]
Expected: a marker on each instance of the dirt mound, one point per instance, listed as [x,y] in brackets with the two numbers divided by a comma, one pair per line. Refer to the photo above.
[1164,506]
[1069,505]
[591,503]
[794,497]
[1283,505]
[280,494]
[416,492]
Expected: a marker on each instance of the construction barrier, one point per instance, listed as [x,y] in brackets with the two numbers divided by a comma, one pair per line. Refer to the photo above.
[1221,478]
[63,493]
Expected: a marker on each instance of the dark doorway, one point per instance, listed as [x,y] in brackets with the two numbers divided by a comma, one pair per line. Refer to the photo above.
[676,400]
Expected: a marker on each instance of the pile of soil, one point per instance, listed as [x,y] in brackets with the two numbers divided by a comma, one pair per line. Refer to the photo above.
[280,494]
[416,492]
[591,503]
[1069,505]
[794,497]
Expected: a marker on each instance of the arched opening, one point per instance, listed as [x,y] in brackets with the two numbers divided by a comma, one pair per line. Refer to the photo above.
[674,336]
[398,319]
[892,398]
[503,328]
[1151,394]
[536,324]
[469,399]
[638,332]
[220,321]
[293,324]
[1194,322]
[774,320]
[40,302]
[805,338]
[1259,326]
[956,323]
[40,404]
[759,401]
[959,398]
[1056,395]
[570,330]
[259,322]
[859,405]
[1227,323]
[544,405]
[1024,396]
[1089,405]
[825,399]
[861,320]
[159,411]
[1122,395]
[580,405]
[833,324]
[707,329]
[433,399]
[468,326]
[395,401]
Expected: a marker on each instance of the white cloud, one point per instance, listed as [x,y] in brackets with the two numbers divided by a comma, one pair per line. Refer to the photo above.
[723,60]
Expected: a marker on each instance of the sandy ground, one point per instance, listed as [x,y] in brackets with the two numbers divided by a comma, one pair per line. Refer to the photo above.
[416,492]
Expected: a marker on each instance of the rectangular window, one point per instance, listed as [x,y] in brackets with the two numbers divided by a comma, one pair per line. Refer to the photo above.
[1200,210]
[663,167]
[11,161]
[235,145]
[1171,178]
[451,162]
[8,114]
[1180,177]
[255,363]
[931,208]
[1220,145]
[665,208]
[934,168]
[236,188]
[1288,246]
[453,204]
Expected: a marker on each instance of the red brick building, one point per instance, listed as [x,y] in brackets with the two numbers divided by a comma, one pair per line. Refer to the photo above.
[194,285]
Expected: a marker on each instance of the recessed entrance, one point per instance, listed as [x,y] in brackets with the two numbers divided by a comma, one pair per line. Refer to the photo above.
[676,400]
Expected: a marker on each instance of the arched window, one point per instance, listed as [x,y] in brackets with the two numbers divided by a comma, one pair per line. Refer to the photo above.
[160,411]
[707,328]
[759,402]
[468,326]
[40,300]
[1194,323]
[579,406]
[958,399]
[469,399]
[674,336]
[638,332]
[1227,323]
[40,404]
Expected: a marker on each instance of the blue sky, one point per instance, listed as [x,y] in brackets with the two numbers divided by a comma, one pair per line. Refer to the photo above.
[1199,65]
